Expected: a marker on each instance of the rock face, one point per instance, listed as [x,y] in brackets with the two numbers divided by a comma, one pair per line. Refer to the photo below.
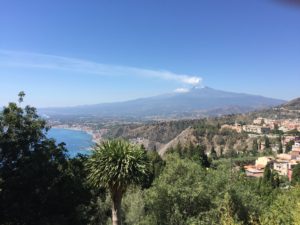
[198,102]
[184,138]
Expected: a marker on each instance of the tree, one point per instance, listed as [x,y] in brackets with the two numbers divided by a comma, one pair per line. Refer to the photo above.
[178,149]
[213,153]
[289,146]
[133,206]
[202,157]
[156,165]
[270,178]
[21,96]
[190,150]
[229,209]
[115,165]
[284,209]
[255,147]
[296,175]
[39,185]
[178,194]
[280,147]
[276,180]
[276,130]
[267,142]
[276,127]
[267,177]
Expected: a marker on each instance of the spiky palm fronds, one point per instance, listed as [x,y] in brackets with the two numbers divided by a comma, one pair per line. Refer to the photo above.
[116,164]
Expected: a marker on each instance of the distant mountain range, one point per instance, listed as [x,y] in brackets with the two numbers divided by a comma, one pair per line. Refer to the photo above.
[198,102]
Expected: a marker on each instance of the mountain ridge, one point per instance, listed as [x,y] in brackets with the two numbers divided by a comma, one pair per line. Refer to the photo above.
[195,103]
[293,104]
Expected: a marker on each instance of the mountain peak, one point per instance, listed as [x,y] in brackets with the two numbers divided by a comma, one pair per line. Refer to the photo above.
[199,88]
[199,101]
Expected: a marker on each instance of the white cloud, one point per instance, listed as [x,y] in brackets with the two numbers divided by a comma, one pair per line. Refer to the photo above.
[34,60]
[192,80]
[181,90]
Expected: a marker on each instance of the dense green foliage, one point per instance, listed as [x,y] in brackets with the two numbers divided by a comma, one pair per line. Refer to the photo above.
[280,146]
[284,209]
[39,184]
[156,166]
[172,200]
[187,193]
[196,153]
[296,174]
[116,164]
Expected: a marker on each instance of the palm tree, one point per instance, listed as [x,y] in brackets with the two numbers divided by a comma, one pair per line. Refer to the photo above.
[114,165]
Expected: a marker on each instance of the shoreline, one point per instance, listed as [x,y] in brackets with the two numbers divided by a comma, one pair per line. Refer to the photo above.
[95,140]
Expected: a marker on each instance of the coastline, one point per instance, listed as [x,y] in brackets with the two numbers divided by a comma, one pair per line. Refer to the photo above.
[95,137]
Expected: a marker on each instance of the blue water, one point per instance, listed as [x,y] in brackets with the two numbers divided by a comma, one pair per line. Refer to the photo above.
[76,141]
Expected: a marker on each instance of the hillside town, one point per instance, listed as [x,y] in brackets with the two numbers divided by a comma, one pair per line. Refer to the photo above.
[265,126]
[282,161]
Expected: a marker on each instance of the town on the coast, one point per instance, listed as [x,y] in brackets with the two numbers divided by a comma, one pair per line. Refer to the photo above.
[284,151]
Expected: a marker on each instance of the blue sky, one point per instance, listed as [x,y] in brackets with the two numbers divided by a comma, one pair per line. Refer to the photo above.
[64,52]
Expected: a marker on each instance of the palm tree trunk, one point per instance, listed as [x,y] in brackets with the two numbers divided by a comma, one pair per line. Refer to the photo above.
[116,208]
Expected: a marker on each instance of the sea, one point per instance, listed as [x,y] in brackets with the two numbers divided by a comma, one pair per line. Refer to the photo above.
[76,141]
